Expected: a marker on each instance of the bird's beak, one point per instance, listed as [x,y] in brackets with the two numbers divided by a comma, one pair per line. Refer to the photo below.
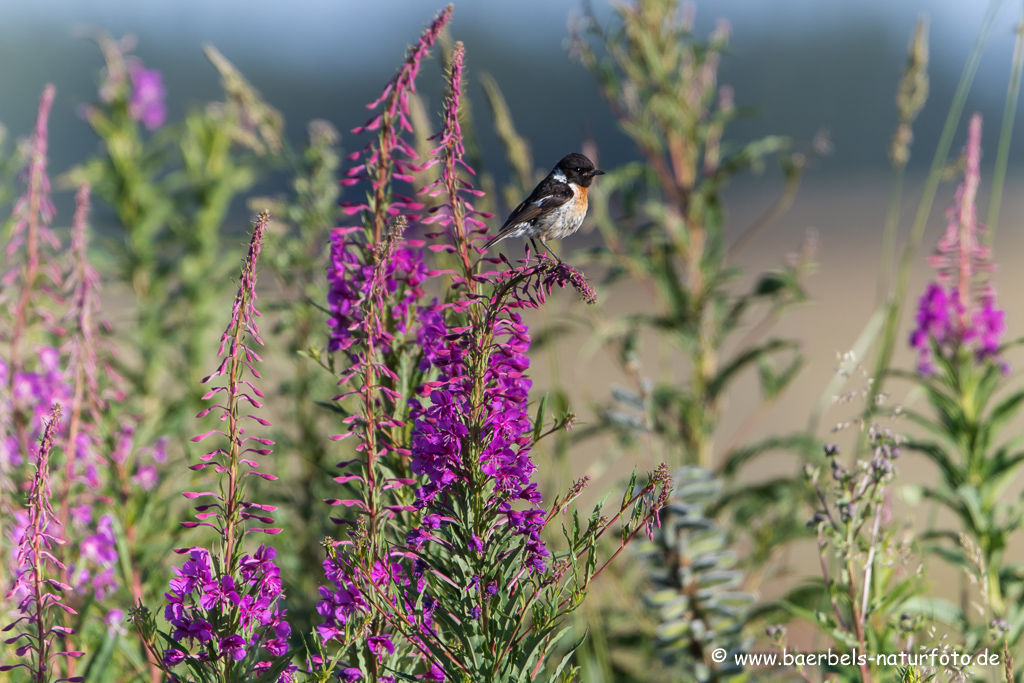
[596,172]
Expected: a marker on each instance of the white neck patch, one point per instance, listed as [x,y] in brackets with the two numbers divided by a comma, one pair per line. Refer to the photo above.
[559,176]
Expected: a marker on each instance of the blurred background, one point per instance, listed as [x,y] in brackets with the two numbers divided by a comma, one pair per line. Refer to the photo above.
[803,64]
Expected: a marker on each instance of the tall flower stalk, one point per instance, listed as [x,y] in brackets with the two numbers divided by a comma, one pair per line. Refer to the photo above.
[31,275]
[958,336]
[958,309]
[225,606]
[36,558]
[375,280]
[439,409]
[84,285]
[35,212]
[38,273]
[389,155]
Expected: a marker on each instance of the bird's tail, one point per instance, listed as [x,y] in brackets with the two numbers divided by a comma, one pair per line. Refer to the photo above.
[494,240]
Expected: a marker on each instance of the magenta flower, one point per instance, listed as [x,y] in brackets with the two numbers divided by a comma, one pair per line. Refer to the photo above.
[113,621]
[230,598]
[234,647]
[959,310]
[339,605]
[990,324]
[350,675]
[260,563]
[194,573]
[379,644]
[350,281]
[37,593]
[219,593]
[146,477]
[97,558]
[148,96]
[388,155]
[193,629]
[278,645]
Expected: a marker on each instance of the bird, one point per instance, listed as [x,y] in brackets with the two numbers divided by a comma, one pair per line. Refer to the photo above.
[556,207]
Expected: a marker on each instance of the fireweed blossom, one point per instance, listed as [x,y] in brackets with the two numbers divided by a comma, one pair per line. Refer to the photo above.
[958,310]
[30,270]
[41,376]
[443,547]
[385,158]
[389,156]
[105,468]
[350,282]
[224,607]
[374,283]
[33,395]
[94,566]
[32,376]
[148,101]
[91,552]
[33,589]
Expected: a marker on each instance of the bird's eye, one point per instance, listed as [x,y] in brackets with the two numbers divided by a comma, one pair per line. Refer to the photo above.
[579,169]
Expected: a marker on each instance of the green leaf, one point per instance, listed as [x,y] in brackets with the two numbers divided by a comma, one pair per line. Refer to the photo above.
[565,660]
[538,423]
[735,365]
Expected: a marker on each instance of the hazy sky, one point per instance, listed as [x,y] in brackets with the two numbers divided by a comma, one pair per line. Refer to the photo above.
[306,32]
[803,64]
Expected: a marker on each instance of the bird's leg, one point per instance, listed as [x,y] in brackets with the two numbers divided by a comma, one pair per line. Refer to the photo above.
[552,253]
[535,249]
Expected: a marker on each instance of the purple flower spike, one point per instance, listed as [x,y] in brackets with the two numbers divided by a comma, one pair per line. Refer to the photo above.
[148,97]
[351,282]
[990,324]
[388,155]
[235,399]
[456,214]
[29,269]
[960,308]
[234,647]
[34,593]
[230,599]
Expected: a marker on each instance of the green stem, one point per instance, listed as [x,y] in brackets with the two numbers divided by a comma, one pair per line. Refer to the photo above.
[895,305]
[892,222]
[1003,153]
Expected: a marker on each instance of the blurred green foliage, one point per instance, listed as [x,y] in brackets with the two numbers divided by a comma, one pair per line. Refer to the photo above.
[171,192]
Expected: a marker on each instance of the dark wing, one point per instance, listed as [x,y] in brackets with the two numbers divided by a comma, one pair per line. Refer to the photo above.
[545,197]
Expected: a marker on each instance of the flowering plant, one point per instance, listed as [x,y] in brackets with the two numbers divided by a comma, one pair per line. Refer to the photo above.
[958,313]
[958,337]
[225,606]
[443,569]
[94,470]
